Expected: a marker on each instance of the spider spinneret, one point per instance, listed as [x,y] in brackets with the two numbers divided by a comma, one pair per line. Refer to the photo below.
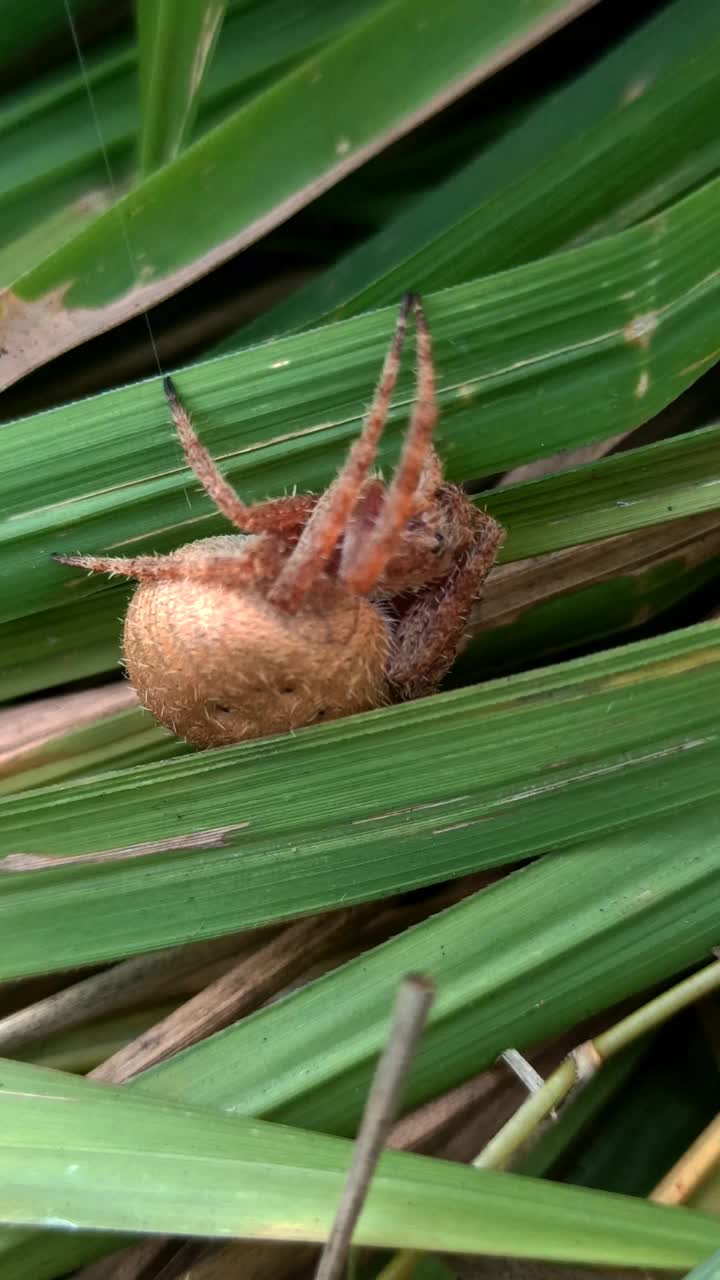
[322,606]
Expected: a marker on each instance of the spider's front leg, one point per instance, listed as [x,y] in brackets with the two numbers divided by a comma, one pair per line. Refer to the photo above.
[226,559]
[285,517]
[428,636]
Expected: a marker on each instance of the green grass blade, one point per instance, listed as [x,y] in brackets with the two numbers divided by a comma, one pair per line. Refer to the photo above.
[116,740]
[104,473]
[174,52]
[52,170]
[625,138]
[520,961]
[708,1270]
[570,600]
[480,777]
[102,1159]
[307,131]
[675,478]
[552,605]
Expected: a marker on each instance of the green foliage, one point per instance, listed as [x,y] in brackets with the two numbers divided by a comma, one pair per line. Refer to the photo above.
[564,237]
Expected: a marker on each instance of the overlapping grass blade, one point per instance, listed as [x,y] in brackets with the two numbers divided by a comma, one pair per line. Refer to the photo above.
[100,1158]
[173,59]
[114,740]
[52,169]
[668,480]
[422,57]
[520,961]
[570,599]
[540,356]
[548,605]
[624,139]
[482,776]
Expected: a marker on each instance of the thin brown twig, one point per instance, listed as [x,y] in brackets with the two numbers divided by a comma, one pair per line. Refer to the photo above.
[411,1009]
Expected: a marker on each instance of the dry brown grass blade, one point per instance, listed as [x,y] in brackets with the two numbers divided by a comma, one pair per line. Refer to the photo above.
[126,985]
[562,461]
[691,1170]
[296,953]
[178,1260]
[30,726]
[243,988]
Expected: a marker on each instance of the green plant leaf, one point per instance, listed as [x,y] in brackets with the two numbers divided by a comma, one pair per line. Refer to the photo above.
[304,133]
[26,26]
[53,176]
[521,960]
[571,599]
[174,56]
[708,1270]
[116,739]
[104,473]
[482,776]
[98,1158]
[622,140]
[664,481]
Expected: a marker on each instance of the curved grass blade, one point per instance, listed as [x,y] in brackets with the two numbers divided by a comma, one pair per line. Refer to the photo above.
[105,473]
[103,1159]
[522,960]
[174,52]
[304,134]
[52,172]
[624,139]
[480,777]
[215,1176]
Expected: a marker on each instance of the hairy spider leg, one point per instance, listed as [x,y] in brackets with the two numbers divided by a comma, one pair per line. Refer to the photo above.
[429,635]
[415,468]
[321,534]
[262,560]
[283,516]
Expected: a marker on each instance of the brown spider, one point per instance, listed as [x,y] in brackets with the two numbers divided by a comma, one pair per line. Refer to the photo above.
[332,605]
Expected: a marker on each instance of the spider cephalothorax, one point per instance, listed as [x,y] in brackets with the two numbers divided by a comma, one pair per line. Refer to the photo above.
[324,605]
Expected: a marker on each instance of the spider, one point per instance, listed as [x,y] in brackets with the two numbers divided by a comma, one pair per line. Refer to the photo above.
[323,605]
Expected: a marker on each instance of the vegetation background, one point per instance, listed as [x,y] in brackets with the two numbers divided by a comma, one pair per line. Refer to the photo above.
[242,192]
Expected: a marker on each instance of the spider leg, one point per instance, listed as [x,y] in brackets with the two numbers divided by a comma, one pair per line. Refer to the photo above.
[320,535]
[284,516]
[143,568]
[261,562]
[418,467]
[429,635]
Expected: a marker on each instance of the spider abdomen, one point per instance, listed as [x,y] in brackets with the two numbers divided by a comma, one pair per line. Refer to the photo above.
[217,665]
